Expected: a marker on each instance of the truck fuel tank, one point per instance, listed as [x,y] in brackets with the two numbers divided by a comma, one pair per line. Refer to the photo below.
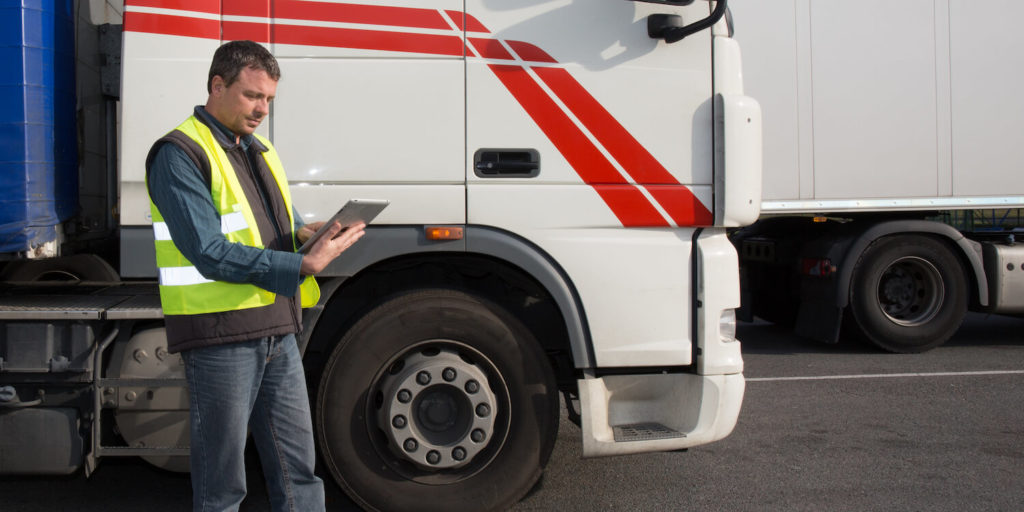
[1004,266]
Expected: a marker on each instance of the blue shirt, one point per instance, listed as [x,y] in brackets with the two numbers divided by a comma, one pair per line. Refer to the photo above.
[179,190]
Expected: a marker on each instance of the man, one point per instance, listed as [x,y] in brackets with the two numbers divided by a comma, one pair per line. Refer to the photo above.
[231,286]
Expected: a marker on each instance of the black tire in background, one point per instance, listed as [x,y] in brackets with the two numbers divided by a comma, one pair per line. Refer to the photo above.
[384,353]
[909,293]
[79,267]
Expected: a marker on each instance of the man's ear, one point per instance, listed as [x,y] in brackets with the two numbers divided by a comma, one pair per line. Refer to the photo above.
[217,85]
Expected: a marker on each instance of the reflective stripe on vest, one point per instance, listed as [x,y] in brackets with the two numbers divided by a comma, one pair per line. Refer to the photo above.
[229,223]
[180,276]
[183,289]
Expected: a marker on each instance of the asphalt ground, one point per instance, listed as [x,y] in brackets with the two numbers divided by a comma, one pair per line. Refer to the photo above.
[835,427]
[822,428]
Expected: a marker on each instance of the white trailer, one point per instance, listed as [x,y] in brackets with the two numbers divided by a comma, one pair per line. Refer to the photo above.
[893,165]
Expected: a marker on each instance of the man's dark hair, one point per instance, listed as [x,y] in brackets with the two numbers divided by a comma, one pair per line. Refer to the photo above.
[231,58]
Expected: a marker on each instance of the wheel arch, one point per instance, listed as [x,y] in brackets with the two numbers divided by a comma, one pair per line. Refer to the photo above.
[823,302]
[969,253]
[493,263]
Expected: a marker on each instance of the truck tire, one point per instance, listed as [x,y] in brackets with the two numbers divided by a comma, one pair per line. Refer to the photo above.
[436,400]
[909,293]
[80,267]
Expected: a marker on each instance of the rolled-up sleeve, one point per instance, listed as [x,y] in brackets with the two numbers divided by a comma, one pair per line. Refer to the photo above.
[179,190]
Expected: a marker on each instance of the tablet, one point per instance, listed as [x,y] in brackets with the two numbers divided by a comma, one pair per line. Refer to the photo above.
[354,211]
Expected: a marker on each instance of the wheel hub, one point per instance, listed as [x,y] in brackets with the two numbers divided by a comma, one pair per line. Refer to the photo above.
[911,291]
[438,412]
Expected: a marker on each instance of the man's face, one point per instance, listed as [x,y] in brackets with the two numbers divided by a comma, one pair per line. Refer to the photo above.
[242,106]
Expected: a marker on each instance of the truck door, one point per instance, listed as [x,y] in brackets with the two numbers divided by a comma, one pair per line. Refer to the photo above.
[582,129]
[371,104]
[620,123]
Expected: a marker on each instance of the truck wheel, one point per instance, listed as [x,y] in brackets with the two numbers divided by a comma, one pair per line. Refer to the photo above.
[437,400]
[80,267]
[909,293]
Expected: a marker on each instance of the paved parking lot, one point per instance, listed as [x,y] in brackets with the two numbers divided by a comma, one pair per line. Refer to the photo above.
[822,428]
[835,428]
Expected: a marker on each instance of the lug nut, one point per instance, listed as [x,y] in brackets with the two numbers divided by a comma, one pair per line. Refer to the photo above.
[483,410]
[398,421]
[459,453]
[140,355]
[472,387]
[478,436]
[410,445]
[423,378]
[433,457]
[404,396]
[448,374]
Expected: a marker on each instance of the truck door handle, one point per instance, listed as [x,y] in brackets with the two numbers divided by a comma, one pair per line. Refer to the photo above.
[495,163]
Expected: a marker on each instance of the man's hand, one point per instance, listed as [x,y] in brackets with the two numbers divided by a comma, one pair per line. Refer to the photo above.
[327,248]
[307,231]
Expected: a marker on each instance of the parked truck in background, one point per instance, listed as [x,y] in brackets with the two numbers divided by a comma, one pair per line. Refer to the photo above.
[561,178]
[893,166]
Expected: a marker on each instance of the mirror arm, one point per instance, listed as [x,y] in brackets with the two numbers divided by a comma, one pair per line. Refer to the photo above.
[665,26]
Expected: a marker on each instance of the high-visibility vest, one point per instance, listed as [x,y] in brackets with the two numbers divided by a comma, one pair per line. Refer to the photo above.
[183,290]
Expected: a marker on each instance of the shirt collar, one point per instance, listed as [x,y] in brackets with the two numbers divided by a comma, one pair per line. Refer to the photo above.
[224,135]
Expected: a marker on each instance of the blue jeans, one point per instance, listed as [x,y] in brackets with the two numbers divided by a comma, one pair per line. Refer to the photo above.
[259,385]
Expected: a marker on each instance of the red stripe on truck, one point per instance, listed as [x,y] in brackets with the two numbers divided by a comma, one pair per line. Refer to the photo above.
[625,200]
[490,49]
[630,205]
[206,6]
[345,38]
[339,13]
[368,40]
[681,204]
[236,30]
[466,22]
[624,148]
[531,53]
[174,25]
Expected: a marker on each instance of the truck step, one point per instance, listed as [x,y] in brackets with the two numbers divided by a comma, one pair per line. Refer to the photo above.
[83,301]
[644,432]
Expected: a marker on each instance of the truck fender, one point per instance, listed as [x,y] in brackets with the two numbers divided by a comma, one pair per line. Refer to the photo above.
[395,241]
[971,251]
[822,303]
[537,263]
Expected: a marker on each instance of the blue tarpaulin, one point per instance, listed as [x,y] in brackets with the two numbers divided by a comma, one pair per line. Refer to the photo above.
[38,132]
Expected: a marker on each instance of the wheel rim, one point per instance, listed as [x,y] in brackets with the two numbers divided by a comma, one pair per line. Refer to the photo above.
[910,291]
[441,411]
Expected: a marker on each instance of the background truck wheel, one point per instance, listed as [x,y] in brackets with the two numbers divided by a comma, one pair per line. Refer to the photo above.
[909,293]
[437,400]
[80,267]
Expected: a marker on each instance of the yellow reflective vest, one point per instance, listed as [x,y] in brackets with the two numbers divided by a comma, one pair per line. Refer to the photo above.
[183,289]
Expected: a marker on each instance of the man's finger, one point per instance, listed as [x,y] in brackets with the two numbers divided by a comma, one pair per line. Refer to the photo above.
[332,232]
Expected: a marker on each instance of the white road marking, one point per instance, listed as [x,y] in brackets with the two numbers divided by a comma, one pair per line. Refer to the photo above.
[888,375]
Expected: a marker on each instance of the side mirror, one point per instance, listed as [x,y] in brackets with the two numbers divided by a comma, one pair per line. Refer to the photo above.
[670,26]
